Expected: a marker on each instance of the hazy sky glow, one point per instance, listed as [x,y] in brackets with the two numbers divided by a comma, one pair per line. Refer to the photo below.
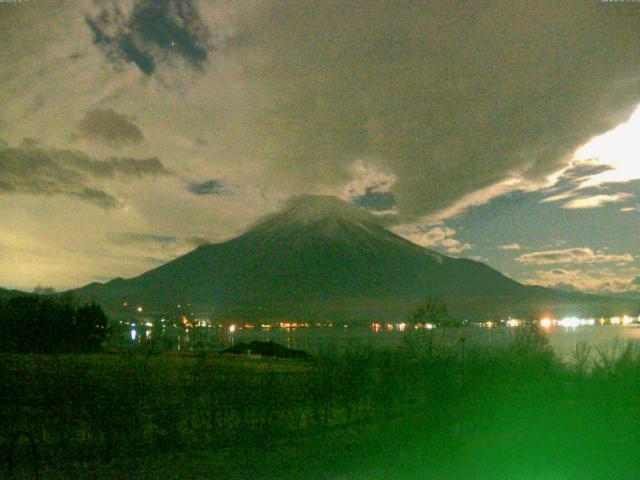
[503,131]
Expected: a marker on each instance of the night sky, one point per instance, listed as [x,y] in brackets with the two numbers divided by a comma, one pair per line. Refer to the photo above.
[503,131]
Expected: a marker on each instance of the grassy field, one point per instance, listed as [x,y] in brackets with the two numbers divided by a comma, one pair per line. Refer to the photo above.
[505,413]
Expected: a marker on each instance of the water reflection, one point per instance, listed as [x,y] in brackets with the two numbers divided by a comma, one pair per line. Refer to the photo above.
[564,334]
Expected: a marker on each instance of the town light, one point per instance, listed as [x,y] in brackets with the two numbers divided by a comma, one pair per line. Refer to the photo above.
[545,323]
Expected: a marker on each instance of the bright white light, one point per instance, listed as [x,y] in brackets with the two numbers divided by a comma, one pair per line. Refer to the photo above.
[573,322]
[615,321]
[626,320]
[512,322]
[569,322]
[134,334]
[139,309]
[232,328]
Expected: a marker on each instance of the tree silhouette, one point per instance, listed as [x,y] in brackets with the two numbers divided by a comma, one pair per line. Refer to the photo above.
[40,290]
[46,324]
[433,311]
[90,327]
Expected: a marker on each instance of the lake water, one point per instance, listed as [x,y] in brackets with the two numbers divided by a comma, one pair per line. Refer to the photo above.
[607,338]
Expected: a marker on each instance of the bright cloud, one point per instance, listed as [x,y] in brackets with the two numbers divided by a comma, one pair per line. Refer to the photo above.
[510,246]
[572,255]
[587,280]
[631,209]
[439,237]
[619,148]
[596,201]
[367,177]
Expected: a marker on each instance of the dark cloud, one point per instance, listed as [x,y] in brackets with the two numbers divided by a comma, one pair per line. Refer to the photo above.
[377,201]
[134,167]
[209,187]
[137,167]
[129,238]
[92,195]
[40,171]
[154,31]
[450,97]
[567,188]
[558,271]
[132,238]
[579,173]
[109,127]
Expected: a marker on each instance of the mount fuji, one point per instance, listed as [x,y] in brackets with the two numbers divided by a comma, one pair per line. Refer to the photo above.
[322,258]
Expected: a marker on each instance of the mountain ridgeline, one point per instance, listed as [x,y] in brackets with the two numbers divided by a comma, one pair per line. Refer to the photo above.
[322,258]
[5,294]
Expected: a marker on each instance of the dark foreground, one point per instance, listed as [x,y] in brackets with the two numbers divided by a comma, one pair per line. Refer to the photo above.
[512,413]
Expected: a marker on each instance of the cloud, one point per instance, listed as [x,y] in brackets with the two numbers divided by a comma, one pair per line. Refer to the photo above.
[631,209]
[154,31]
[152,248]
[376,201]
[367,176]
[559,197]
[510,246]
[136,239]
[636,281]
[128,238]
[600,281]
[572,255]
[40,171]
[579,185]
[208,187]
[568,182]
[417,95]
[132,167]
[616,150]
[294,98]
[596,201]
[109,127]
[439,237]
[391,213]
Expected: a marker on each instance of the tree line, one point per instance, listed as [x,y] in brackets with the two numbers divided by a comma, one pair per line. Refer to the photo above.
[50,324]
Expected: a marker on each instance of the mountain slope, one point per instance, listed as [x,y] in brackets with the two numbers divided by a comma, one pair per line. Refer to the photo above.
[324,258]
[4,293]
